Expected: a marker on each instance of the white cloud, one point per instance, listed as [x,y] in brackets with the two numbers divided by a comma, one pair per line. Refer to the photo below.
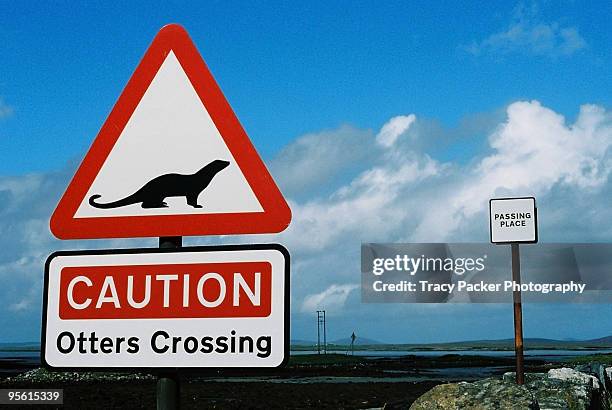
[534,150]
[362,208]
[315,159]
[395,127]
[376,193]
[5,109]
[526,33]
[405,195]
[25,238]
[333,298]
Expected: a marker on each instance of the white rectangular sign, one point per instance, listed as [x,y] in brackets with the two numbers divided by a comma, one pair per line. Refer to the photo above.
[513,220]
[198,307]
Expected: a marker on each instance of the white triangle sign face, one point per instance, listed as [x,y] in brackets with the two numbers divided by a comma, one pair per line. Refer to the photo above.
[169,132]
[171,160]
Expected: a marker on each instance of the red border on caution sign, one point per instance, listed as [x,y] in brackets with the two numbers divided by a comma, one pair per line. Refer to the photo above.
[276,214]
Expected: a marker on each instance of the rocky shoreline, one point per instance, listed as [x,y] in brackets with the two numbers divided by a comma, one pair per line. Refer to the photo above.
[584,387]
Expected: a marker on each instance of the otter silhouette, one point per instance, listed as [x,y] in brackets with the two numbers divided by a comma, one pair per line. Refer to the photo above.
[153,193]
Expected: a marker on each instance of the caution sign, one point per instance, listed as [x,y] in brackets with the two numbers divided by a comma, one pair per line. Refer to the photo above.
[171,159]
[513,220]
[197,307]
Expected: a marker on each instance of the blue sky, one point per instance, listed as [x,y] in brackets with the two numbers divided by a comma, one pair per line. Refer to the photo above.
[315,84]
[291,68]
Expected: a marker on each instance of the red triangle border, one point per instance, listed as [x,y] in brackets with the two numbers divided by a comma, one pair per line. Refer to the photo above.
[276,213]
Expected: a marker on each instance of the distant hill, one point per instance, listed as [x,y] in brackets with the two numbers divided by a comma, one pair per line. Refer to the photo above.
[498,344]
[302,342]
[530,343]
[358,341]
[605,340]
[343,341]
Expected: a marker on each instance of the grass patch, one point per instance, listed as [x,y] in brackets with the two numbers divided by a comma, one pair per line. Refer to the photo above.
[601,358]
[313,359]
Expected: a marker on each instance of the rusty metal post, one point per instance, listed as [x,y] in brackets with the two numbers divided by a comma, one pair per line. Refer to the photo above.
[518,315]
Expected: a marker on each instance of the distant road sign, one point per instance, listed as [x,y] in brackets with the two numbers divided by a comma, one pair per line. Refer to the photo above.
[171,159]
[195,307]
[513,220]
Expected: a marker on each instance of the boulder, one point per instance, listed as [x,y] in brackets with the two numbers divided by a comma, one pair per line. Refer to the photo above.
[489,393]
[563,388]
[574,376]
[598,370]
[552,394]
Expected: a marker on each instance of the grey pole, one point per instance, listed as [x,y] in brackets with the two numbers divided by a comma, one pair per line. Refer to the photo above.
[168,384]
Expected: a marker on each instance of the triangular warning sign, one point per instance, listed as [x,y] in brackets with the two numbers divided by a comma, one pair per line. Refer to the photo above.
[171,159]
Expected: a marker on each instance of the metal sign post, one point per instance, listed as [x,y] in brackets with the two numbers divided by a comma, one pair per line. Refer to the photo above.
[168,392]
[168,383]
[513,221]
[518,315]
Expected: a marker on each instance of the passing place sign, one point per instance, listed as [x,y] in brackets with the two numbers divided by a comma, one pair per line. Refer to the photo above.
[199,307]
[513,220]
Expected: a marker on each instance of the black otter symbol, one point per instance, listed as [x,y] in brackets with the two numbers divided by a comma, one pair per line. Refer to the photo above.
[153,193]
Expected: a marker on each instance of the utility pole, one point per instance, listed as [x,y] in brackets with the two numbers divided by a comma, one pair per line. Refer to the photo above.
[321,329]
